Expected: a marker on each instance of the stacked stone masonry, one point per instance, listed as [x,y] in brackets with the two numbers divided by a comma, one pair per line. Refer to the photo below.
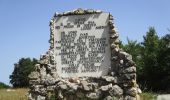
[119,84]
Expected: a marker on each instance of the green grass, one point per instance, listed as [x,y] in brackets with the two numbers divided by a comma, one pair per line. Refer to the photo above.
[15,94]
[148,96]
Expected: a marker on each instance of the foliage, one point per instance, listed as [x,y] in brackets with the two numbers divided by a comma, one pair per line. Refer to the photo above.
[150,50]
[152,57]
[3,85]
[164,63]
[22,69]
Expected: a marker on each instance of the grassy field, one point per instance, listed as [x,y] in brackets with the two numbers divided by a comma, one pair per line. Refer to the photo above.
[13,94]
[21,94]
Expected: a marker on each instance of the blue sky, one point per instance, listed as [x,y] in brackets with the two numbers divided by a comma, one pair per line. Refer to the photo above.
[24,30]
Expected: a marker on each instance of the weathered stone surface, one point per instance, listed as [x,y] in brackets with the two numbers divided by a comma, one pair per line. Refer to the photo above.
[93,95]
[105,88]
[114,36]
[127,97]
[39,97]
[129,83]
[109,98]
[34,82]
[34,75]
[116,91]
[63,87]
[125,55]
[51,88]
[40,89]
[49,80]
[74,87]
[108,78]
[129,76]
[132,91]
[129,63]
[128,70]
[85,85]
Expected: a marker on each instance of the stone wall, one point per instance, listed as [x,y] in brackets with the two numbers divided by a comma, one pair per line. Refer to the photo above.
[119,84]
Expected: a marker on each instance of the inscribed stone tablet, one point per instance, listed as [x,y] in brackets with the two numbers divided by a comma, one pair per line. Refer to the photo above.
[82,46]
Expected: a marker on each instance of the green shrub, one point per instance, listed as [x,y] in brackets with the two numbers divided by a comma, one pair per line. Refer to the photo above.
[3,85]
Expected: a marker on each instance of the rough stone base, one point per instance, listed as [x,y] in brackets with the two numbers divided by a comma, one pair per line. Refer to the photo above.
[119,84]
[85,88]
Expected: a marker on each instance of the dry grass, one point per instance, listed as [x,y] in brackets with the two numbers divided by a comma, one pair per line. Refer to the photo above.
[21,94]
[13,94]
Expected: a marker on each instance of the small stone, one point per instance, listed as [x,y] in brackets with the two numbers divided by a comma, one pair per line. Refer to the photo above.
[116,91]
[122,54]
[130,70]
[50,88]
[49,81]
[121,61]
[31,82]
[109,98]
[63,87]
[85,85]
[129,76]
[132,91]
[110,79]
[127,97]
[39,97]
[34,75]
[129,57]
[111,18]
[98,11]
[90,10]
[104,88]
[116,49]
[74,80]
[60,95]
[74,87]
[139,91]
[117,41]
[130,63]
[112,73]
[92,96]
[37,67]
[113,45]
[56,14]
[113,32]
[129,83]
[115,58]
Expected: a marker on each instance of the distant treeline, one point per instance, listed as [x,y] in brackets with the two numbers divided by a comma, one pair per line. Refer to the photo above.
[3,85]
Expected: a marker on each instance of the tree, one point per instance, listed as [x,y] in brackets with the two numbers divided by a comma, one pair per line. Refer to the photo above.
[150,64]
[164,63]
[22,69]
[3,85]
[152,57]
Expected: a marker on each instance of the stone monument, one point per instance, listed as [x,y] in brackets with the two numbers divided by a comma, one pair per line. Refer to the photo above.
[84,61]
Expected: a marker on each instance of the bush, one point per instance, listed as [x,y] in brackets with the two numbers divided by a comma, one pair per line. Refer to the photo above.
[3,85]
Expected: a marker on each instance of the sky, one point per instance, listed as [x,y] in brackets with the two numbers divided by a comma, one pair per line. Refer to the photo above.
[24,24]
